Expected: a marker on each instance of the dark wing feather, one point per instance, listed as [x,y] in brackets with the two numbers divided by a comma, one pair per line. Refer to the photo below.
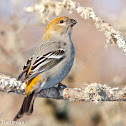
[45,62]
[25,68]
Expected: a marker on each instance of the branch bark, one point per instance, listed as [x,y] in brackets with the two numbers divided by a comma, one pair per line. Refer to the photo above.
[93,92]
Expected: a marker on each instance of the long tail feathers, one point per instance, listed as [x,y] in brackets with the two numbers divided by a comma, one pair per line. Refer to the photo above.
[27,106]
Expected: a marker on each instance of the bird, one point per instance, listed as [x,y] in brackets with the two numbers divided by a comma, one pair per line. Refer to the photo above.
[50,63]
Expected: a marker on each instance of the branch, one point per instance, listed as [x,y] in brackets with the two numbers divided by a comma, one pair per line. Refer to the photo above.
[50,7]
[93,92]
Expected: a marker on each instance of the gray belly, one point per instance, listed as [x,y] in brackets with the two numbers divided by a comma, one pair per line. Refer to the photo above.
[58,72]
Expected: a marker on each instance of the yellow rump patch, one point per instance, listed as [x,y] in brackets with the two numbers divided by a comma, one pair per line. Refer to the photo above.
[30,84]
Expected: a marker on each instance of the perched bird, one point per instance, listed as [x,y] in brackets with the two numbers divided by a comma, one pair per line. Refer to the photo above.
[50,63]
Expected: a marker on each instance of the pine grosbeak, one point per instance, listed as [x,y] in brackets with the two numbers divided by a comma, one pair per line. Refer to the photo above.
[50,63]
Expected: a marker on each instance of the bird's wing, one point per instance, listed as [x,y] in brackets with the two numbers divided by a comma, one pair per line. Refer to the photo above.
[46,61]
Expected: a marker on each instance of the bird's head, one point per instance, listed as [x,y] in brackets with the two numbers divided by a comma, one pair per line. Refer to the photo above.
[60,26]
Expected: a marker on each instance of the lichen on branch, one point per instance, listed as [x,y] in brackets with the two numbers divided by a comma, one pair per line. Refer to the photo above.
[47,8]
[93,92]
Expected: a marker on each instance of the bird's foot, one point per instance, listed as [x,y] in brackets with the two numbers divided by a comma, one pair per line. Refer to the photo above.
[60,85]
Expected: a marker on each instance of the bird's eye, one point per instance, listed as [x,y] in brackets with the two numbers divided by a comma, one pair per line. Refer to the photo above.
[61,21]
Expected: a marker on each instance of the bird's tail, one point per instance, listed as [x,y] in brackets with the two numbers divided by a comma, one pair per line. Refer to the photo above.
[27,106]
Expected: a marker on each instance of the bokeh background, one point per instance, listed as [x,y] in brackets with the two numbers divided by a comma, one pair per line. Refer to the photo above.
[20,32]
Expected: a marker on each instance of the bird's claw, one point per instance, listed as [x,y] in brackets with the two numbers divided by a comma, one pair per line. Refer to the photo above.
[60,85]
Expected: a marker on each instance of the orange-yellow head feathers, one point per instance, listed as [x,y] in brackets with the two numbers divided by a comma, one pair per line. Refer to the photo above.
[60,25]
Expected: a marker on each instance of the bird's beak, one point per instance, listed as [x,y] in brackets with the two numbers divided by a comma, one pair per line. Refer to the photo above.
[72,22]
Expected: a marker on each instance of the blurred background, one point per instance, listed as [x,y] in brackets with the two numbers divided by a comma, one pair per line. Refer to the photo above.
[20,32]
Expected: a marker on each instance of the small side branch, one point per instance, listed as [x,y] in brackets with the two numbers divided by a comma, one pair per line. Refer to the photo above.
[93,92]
